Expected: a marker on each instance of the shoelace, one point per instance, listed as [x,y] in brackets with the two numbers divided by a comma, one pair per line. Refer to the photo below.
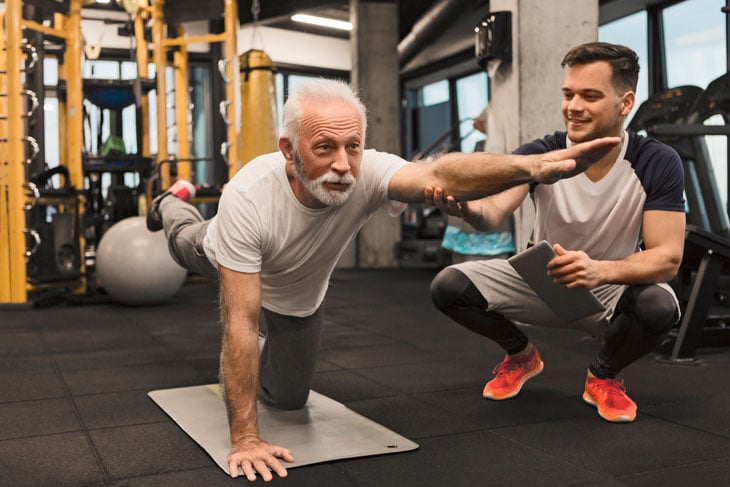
[612,387]
[507,365]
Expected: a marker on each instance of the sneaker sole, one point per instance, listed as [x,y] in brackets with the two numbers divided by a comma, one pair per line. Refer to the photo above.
[616,419]
[533,373]
[154,219]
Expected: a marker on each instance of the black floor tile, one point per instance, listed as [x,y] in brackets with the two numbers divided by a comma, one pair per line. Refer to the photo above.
[118,409]
[710,414]
[96,338]
[357,357]
[118,357]
[338,335]
[53,460]
[26,364]
[467,460]
[412,417]
[540,400]
[343,386]
[21,386]
[15,342]
[310,476]
[433,376]
[712,473]
[651,382]
[210,476]
[147,449]
[644,445]
[154,376]
[35,418]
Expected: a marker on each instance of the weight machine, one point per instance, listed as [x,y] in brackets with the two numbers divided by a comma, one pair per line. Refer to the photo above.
[45,242]
[679,118]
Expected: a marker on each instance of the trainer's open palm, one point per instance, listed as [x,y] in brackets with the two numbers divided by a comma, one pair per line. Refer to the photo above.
[448,204]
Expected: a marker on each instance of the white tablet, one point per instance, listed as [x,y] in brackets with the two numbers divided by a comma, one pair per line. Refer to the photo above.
[567,304]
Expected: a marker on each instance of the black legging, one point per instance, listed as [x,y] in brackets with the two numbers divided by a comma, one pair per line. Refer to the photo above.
[644,314]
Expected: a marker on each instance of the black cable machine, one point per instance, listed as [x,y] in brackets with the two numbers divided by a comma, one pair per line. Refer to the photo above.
[678,117]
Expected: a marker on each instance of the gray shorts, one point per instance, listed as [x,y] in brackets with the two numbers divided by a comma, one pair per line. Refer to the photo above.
[510,296]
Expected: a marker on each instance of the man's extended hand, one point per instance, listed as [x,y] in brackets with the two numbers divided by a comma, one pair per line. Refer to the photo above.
[566,163]
[255,455]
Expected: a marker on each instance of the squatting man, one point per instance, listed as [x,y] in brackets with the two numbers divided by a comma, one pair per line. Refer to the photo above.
[616,229]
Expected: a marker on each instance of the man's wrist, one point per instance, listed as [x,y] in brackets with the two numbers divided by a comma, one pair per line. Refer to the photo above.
[236,438]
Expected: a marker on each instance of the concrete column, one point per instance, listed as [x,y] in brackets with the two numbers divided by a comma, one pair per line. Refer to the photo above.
[526,94]
[374,41]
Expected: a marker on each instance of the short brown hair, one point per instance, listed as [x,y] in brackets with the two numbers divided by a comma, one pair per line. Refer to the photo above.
[623,60]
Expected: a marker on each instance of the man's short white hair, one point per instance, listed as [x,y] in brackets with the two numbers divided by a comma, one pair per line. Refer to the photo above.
[319,91]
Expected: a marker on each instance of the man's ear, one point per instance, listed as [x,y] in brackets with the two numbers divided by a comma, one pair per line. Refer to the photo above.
[286,148]
[627,102]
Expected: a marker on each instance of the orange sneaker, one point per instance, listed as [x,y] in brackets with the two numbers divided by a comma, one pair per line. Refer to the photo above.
[512,373]
[609,396]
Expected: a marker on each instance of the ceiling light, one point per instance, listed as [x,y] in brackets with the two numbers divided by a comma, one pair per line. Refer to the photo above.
[322,21]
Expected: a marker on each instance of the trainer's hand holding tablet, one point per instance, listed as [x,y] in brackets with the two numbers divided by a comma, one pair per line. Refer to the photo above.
[568,304]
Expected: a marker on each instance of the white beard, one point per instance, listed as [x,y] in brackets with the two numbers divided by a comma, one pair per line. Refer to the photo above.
[329,198]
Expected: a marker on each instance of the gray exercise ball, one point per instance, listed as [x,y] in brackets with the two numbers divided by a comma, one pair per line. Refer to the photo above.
[134,265]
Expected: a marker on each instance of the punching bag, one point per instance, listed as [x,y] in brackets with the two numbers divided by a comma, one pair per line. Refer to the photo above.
[259,126]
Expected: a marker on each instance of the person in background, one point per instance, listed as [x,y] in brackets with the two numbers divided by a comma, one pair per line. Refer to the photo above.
[463,240]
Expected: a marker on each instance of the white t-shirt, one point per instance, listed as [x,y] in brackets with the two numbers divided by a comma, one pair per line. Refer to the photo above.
[262,227]
[604,218]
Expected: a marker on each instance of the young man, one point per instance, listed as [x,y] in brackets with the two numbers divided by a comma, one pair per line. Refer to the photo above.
[282,223]
[596,222]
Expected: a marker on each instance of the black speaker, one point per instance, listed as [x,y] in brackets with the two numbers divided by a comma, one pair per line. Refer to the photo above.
[493,38]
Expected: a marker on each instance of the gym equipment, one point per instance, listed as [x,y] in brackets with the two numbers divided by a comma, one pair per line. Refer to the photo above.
[107,98]
[53,216]
[707,254]
[672,108]
[47,215]
[258,105]
[676,117]
[322,431]
[134,265]
[169,39]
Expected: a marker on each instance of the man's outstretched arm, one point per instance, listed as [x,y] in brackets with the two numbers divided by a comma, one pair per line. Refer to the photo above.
[476,175]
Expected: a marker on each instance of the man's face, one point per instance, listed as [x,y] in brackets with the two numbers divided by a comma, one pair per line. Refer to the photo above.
[329,153]
[592,107]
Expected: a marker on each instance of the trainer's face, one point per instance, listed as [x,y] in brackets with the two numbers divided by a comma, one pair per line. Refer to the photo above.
[592,107]
[329,153]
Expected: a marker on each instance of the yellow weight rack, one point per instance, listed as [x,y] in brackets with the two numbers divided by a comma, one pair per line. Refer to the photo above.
[15,194]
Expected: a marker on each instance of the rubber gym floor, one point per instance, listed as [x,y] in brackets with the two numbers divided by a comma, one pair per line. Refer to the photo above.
[74,408]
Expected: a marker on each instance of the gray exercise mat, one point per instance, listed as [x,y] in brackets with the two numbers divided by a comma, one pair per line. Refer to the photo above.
[324,430]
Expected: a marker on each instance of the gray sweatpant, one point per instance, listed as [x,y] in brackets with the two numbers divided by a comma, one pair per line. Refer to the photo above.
[289,355]
[510,296]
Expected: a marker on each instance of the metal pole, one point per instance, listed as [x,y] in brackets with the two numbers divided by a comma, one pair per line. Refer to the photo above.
[180,62]
[17,291]
[230,48]
[159,57]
